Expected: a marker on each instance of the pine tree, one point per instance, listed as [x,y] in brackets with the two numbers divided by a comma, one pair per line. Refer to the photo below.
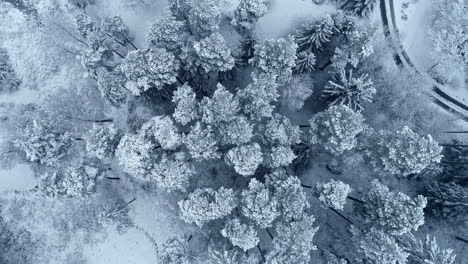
[221,107]
[258,97]
[186,105]
[201,143]
[297,92]
[350,91]
[336,128]
[293,242]
[305,62]
[448,33]
[362,7]
[279,130]
[247,14]
[404,152]
[447,200]
[42,142]
[174,251]
[213,54]
[224,255]
[287,190]
[116,29]
[203,17]
[258,204]
[275,58]
[145,69]
[333,193]
[312,36]
[426,251]
[172,173]
[236,132]
[240,235]
[163,129]
[279,156]
[111,85]
[245,159]
[377,247]
[168,33]
[102,141]
[205,205]
[8,79]
[394,212]
[135,155]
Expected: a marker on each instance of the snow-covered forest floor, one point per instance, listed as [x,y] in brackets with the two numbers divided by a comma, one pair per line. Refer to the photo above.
[129,219]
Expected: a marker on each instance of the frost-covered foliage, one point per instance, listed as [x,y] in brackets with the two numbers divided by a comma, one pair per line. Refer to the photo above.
[241,235]
[404,152]
[394,212]
[426,251]
[305,62]
[149,68]
[293,242]
[377,247]
[333,193]
[350,91]
[223,255]
[135,155]
[336,128]
[174,251]
[205,205]
[279,130]
[245,159]
[213,54]
[447,200]
[186,105]
[362,7]
[112,86]
[276,58]
[203,16]
[117,30]
[287,190]
[311,36]
[102,141]
[297,92]
[221,107]
[8,79]
[258,204]
[172,173]
[164,131]
[41,142]
[167,32]
[247,14]
[238,131]
[75,181]
[448,32]
[257,97]
[201,142]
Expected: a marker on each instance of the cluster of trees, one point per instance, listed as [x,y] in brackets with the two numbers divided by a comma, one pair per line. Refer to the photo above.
[228,153]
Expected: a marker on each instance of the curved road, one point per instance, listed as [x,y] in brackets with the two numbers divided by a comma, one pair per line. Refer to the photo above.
[441,98]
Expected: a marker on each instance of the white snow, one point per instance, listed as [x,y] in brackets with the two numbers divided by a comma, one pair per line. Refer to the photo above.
[19,177]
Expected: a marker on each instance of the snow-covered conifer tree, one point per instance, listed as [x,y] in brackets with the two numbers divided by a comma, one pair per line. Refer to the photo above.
[258,97]
[404,152]
[426,251]
[203,17]
[174,251]
[336,128]
[172,173]
[135,155]
[205,204]
[293,242]
[447,200]
[168,33]
[42,143]
[8,79]
[213,54]
[112,86]
[247,14]
[201,142]
[221,107]
[186,105]
[374,246]
[275,58]
[245,159]
[242,235]
[102,141]
[236,132]
[333,193]
[394,212]
[258,204]
[163,129]
[350,91]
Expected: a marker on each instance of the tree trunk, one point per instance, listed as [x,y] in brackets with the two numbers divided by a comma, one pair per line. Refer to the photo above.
[356,200]
[344,217]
